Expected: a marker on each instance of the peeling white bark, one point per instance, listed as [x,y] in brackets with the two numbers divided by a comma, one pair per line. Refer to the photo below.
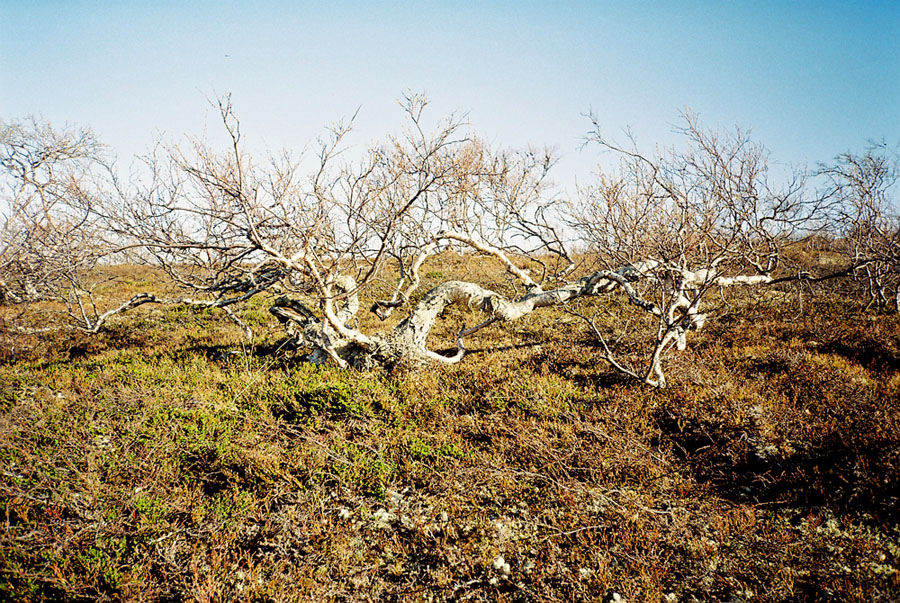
[383,309]
[94,324]
[407,342]
[332,338]
[521,273]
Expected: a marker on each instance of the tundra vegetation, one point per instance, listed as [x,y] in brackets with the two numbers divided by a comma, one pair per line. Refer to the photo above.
[420,372]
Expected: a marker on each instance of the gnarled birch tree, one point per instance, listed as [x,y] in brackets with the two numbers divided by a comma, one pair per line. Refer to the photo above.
[320,234]
[866,221]
[687,222]
[50,237]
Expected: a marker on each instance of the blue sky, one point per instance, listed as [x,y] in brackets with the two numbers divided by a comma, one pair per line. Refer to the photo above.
[810,79]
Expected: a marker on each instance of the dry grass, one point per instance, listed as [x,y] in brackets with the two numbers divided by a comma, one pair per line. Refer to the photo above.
[163,460]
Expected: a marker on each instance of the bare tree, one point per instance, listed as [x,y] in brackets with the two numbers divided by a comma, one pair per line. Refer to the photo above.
[225,229]
[866,220]
[666,231]
[322,232]
[686,223]
[50,242]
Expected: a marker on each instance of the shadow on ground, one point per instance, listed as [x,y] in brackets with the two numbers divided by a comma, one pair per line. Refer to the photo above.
[843,472]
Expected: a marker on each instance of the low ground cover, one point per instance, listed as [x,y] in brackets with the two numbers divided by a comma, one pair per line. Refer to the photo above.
[165,459]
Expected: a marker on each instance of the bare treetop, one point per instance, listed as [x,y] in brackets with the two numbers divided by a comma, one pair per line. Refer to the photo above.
[661,231]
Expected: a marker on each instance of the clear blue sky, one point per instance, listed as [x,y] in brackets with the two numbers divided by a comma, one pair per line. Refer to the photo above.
[811,79]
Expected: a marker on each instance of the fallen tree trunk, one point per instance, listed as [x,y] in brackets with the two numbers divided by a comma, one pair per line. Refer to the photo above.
[407,343]
[676,312]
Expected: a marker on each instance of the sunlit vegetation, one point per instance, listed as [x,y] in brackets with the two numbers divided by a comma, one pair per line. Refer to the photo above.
[168,459]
